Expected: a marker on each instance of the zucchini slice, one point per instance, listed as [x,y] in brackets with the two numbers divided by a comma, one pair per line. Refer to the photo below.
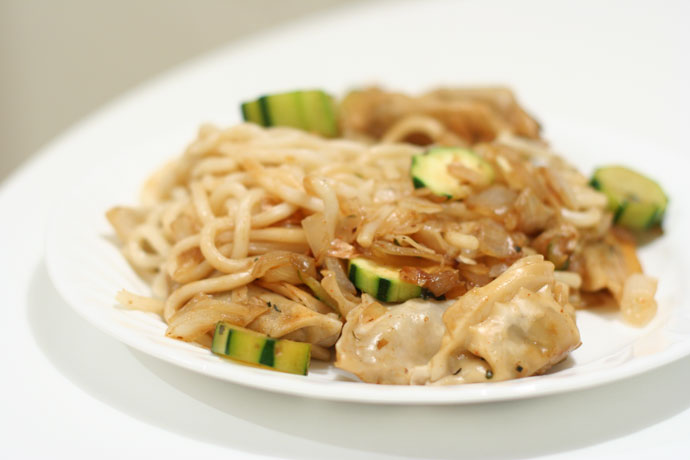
[381,281]
[638,202]
[258,349]
[312,111]
[430,170]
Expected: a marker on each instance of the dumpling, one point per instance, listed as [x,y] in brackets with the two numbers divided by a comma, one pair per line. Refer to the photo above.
[519,324]
[525,336]
[382,344]
[531,273]
[514,325]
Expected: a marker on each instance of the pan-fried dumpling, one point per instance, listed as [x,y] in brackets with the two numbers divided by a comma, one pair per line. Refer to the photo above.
[382,344]
[514,325]
[525,336]
[530,272]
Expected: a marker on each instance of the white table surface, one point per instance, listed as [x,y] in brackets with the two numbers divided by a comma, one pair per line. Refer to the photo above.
[70,391]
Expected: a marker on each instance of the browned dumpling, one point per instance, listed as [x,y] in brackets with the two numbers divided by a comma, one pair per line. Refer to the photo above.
[383,344]
[513,327]
[532,273]
[525,336]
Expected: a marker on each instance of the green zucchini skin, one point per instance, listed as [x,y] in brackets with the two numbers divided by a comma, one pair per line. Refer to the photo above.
[257,349]
[637,202]
[430,170]
[310,110]
[380,281]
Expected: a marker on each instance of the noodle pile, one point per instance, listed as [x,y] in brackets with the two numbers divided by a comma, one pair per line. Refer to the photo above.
[251,225]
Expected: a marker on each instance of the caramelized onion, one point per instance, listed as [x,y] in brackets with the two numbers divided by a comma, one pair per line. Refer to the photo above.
[316,231]
[341,250]
[496,200]
[388,248]
[637,303]
[279,266]
[438,280]
[202,313]
[336,267]
[557,244]
[494,241]
[344,300]
[533,215]
[347,227]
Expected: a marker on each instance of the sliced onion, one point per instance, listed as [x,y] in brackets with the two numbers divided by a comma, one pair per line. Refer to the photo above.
[203,313]
[336,267]
[560,185]
[420,206]
[557,243]
[403,221]
[345,301]
[283,266]
[438,280]
[462,240]
[316,231]
[319,291]
[341,250]
[385,247]
[589,218]
[494,241]
[282,273]
[637,304]
[431,237]
[533,215]
[298,295]
[496,200]
[347,227]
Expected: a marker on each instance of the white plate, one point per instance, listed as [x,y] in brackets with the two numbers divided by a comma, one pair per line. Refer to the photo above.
[123,145]
[88,270]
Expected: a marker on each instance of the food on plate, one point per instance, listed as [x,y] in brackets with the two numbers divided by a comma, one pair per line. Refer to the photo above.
[446,116]
[312,111]
[438,169]
[380,281]
[636,201]
[433,239]
[260,350]
[518,324]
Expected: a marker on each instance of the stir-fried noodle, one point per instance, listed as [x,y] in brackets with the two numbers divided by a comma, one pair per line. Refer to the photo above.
[254,227]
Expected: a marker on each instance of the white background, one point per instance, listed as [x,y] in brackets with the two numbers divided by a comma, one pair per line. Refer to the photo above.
[62,60]
[70,391]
